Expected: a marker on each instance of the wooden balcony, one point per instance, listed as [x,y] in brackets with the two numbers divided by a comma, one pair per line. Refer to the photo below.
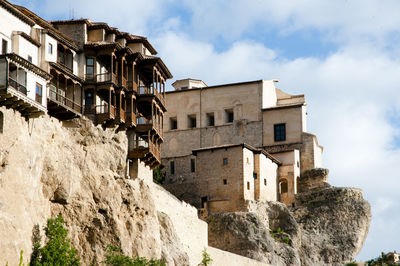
[130,119]
[15,96]
[146,91]
[124,82]
[104,113]
[144,125]
[147,152]
[120,115]
[101,78]
[132,86]
[62,107]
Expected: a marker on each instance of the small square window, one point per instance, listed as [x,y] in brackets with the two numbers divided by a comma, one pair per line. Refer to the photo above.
[172,167]
[225,181]
[192,165]
[173,123]
[255,175]
[265,182]
[30,58]
[225,161]
[248,185]
[229,115]
[210,119]
[50,48]
[192,121]
[280,132]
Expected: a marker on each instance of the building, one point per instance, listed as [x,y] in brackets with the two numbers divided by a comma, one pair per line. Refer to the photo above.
[75,68]
[205,118]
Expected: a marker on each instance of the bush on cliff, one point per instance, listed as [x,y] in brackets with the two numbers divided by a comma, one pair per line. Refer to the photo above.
[115,257]
[58,250]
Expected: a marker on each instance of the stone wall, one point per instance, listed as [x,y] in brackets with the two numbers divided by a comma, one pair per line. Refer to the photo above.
[311,152]
[191,231]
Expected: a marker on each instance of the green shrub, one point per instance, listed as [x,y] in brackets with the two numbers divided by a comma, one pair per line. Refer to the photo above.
[115,257]
[57,250]
[158,175]
[206,259]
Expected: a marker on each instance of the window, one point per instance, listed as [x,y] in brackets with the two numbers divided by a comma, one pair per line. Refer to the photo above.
[4,46]
[229,115]
[265,182]
[90,67]
[255,175]
[172,167]
[30,58]
[192,165]
[248,185]
[203,202]
[39,90]
[210,119]
[173,123]
[283,187]
[50,48]
[225,182]
[1,122]
[192,121]
[225,161]
[280,132]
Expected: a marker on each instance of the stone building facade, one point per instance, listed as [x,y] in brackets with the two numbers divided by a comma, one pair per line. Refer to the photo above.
[76,68]
[256,114]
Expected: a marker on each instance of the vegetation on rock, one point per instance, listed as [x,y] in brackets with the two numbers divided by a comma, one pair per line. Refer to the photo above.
[115,257]
[58,250]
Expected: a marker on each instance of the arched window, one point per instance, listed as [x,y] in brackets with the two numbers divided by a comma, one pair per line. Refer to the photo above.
[283,187]
[1,122]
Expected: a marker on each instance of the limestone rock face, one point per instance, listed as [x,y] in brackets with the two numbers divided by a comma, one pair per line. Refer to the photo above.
[328,226]
[313,178]
[334,223]
[77,170]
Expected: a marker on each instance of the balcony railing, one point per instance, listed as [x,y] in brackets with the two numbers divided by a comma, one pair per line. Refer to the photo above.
[99,78]
[132,86]
[105,109]
[18,86]
[151,122]
[122,114]
[130,117]
[61,99]
[149,90]
[38,98]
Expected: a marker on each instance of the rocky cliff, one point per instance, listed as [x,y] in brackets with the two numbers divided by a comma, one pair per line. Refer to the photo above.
[327,226]
[80,171]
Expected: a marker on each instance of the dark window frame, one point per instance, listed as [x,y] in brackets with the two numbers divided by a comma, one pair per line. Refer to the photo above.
[50,51]
[280,132]
[172,167]
[211,119]
[192,165]
[229,115]
[4,46]
[225,161]
[173,122]
[39,92]
[192,121]
[30,59]
[225,181]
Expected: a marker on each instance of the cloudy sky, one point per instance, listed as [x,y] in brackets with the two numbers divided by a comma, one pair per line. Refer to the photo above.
[343,54]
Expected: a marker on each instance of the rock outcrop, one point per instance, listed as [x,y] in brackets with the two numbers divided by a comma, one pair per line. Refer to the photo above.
[327,226]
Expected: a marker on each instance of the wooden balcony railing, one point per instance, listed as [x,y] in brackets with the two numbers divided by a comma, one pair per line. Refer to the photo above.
[124,82]
[122,114]
[100,109]
[132,86]
[104,77]
[130,117]
[18,86]
[38,98]
[149,90]
[61,99]
[151,122]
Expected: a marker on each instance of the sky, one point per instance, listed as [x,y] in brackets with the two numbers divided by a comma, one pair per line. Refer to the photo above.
[344,55]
